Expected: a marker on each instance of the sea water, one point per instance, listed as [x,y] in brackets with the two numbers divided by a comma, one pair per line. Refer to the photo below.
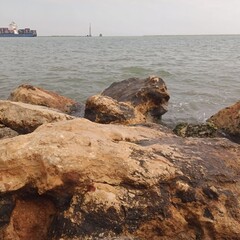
[202,73]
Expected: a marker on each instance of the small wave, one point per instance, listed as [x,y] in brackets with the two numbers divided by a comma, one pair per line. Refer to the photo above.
[163,73]
[120,59]
[61,69]
[3,76]
[137,70]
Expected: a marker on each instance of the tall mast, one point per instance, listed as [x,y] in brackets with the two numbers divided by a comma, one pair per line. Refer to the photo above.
[90,30]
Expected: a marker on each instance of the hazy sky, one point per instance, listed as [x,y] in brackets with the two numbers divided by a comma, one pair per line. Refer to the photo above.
[123,17]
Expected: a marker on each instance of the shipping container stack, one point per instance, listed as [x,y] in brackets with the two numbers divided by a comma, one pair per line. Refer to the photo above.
[26,30]
[4,30]
[34,32]
[21,31]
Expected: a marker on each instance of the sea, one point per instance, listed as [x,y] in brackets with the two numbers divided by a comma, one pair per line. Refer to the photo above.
[202,72]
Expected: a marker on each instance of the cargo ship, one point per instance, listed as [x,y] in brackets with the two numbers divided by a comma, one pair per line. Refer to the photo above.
[13,31]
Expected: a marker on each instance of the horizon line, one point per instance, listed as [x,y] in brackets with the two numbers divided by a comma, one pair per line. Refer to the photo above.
[150,35]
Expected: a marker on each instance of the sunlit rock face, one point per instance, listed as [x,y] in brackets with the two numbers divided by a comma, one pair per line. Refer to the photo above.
[81,180]
[25,118]
[39,96]
[104,109]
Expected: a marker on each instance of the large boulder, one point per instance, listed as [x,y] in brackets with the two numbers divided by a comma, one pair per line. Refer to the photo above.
[81,180]
[39,96]
[103,109]
[228,120]
[25,118]
[147,96]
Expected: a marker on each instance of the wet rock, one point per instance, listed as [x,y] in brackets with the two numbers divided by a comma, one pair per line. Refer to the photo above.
[228,120]
[148,96]
[25,118]
[6,132]
[95,181]
[77,110]
[6,207]
[103,109]
[196,130]
[39,96]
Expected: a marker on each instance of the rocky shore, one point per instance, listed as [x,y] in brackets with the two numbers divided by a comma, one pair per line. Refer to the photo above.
[110,170]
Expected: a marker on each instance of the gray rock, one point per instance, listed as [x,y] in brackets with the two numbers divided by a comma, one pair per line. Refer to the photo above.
[6,132]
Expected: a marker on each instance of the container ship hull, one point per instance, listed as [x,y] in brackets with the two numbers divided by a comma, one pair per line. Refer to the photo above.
[17,35]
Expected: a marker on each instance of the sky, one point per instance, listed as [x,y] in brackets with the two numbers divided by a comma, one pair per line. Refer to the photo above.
[123,17]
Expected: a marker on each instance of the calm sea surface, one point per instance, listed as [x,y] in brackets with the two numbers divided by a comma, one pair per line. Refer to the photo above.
[202,73]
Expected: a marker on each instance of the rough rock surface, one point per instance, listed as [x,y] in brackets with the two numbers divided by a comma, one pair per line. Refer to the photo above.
[25,118]
[6,132]
[196,130]
[82,180]
[149,96]
[39,96]
[103,109]
[228,120]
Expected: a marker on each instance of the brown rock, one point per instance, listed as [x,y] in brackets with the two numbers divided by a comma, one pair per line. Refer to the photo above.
[39,96]
[30,219]
[149,96]
[228,120]
[118,182]
[103,109]
[25,118]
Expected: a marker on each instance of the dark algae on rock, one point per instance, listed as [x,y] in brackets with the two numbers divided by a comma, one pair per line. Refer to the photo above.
[196,130]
